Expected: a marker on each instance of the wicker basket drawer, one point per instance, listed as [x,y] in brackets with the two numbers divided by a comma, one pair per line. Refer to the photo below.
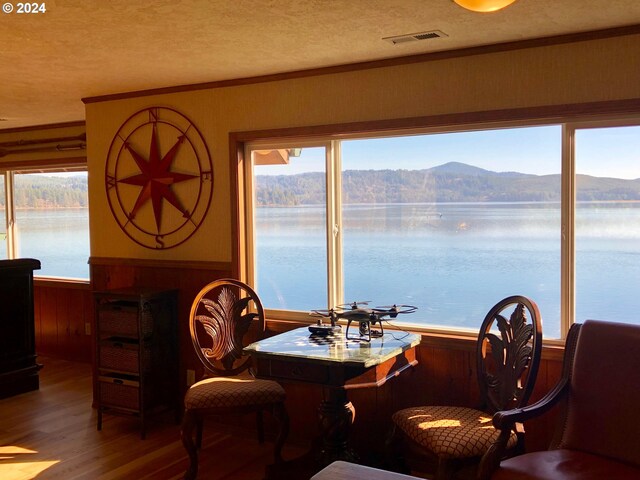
[119,392]
[118,318]
[125,319]
[121,356]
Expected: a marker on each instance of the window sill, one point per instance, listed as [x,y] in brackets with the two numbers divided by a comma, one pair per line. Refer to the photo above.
[70,283]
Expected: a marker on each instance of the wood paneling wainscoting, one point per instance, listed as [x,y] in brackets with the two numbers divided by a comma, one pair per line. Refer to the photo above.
[445,373]
[63,316]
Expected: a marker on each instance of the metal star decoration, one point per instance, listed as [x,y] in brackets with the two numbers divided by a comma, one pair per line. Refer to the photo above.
[156,178]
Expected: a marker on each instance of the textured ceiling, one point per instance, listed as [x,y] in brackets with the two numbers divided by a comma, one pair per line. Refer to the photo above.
[84,48]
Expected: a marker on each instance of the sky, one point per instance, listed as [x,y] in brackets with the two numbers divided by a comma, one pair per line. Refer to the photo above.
[619,147]
[602,152]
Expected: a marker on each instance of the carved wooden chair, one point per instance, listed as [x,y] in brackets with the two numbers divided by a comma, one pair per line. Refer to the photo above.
[223,313]
[449,438]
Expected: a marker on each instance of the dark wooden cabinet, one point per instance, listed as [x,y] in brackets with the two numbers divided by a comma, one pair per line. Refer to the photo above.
[18,367]
[136,352]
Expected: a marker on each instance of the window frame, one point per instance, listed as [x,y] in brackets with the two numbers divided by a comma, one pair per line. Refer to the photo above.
[568,252]
[8,170]
[248,271]
[569,117]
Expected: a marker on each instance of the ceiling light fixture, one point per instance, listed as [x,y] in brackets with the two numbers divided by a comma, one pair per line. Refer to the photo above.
[484,5]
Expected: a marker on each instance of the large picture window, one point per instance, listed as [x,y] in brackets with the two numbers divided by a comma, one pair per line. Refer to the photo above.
[47,218]
[449,221]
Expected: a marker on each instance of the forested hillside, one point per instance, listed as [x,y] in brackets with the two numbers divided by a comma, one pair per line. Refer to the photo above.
[451,182]
[38,191]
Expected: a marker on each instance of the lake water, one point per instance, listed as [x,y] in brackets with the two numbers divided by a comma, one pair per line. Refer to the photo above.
[454,261]
[59,238]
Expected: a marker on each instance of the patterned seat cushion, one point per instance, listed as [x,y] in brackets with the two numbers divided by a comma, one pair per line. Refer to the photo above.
[232,392]
[449,432]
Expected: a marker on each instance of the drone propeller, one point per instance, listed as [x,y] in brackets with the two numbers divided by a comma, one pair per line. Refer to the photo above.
[394,310]
[352,305]
[322,313]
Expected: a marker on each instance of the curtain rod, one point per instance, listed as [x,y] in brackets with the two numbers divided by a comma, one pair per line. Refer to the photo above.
[50,148]
[40,141]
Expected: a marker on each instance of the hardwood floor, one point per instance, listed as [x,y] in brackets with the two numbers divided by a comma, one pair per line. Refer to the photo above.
[51,434]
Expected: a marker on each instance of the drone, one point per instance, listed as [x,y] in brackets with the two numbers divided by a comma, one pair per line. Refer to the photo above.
[365,317]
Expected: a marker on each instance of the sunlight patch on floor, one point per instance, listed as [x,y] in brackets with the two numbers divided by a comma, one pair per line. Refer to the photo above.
[12,450]
[15,464]
[24,470]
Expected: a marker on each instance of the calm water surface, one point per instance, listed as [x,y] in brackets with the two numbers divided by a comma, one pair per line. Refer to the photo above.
[454,261]
[59,238]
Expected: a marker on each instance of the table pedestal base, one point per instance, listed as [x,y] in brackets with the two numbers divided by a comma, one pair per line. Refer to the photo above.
[336,414]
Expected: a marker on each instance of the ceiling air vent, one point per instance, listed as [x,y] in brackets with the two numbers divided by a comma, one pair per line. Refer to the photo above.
[414,37]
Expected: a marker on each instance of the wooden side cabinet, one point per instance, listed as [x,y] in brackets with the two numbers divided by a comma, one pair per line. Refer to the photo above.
[136,352]
[18,367]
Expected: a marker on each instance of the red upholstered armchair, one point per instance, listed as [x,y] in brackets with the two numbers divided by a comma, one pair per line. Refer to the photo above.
[598,432]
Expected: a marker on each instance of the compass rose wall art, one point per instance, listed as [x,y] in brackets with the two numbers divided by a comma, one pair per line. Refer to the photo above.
[159,178]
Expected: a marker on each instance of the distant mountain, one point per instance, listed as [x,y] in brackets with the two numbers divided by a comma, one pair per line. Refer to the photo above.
[450,182]
[459,168]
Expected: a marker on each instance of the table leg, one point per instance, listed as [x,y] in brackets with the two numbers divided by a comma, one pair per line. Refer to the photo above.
[336,414]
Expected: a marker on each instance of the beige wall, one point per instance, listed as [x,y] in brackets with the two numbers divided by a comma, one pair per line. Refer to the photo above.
[597,70]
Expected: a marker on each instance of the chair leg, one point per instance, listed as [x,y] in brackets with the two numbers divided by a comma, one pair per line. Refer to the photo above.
[190,421]
[199,427]
[260,426]
[394,452]
[281,415]
[99,418]
[445,470]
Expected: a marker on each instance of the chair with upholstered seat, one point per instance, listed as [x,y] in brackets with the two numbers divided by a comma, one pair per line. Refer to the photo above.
[446,438]
[223,313]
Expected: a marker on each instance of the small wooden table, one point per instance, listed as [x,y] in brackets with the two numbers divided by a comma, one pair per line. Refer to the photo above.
[339,365]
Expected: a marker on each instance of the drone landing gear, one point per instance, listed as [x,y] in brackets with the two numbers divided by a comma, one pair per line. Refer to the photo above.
[365,332]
